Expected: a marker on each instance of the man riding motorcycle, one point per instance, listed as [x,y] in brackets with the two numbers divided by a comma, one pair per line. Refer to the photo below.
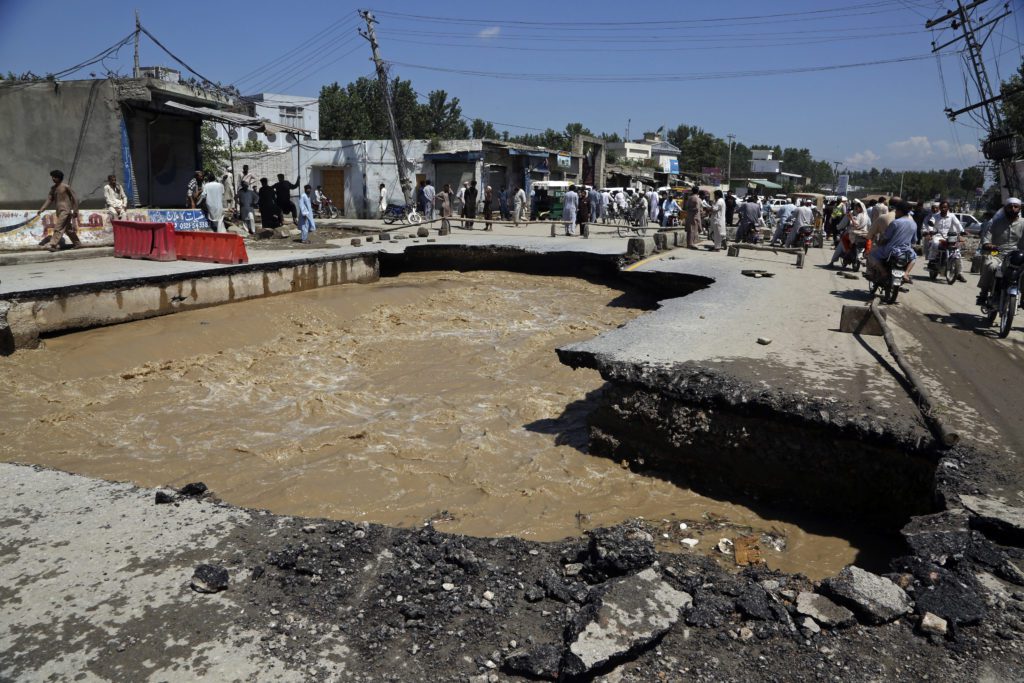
[1004,233]
[938,227]
[897,239]
[853,225]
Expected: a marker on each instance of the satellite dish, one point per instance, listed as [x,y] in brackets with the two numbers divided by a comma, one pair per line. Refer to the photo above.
[271,137]
[232,133]
[290,137]
[253,136]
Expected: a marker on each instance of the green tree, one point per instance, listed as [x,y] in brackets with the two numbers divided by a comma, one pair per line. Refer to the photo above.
[1013,105]
[251,146]
[443,117]
[212,150]
[481,130]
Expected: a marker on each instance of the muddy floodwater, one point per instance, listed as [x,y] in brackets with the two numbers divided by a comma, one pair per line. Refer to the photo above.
[428,396]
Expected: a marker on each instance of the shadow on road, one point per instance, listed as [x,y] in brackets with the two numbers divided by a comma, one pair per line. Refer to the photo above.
[966,322]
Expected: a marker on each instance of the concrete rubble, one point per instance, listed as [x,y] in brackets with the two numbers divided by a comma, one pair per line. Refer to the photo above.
[875,599]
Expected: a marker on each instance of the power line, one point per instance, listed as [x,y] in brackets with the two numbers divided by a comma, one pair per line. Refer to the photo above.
[663,78]
[323,66]
[308,54]
[302,46]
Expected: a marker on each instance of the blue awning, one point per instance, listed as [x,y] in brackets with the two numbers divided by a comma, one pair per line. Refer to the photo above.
[454,156]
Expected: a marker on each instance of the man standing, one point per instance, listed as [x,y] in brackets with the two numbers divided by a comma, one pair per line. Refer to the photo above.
[213,195]
[460,199]
[270,215]
[428,200]
[694,212]
[229,195]
[66,205]
[247,177]
[247,201]
[518,205]
[750,214]
[382,203]
[594,202]
[283,196]
[195,187]
[570,202]
[469,210]
[606,200]
[652,205]
[1004,233]
[718,222]
[117,201]
[306,224]
[802,216]
[730,207]
[444,207]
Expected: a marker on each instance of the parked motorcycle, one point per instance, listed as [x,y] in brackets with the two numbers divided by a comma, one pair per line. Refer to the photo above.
[890,280]
[948,263]
[402,213]
[1004,299]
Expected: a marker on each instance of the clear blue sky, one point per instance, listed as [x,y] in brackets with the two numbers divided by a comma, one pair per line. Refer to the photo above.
[882,115]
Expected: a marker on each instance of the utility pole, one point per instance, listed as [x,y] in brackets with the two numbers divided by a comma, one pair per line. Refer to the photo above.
[382,80]
[1000,145]
[138,30]
[728,172]
[628,121]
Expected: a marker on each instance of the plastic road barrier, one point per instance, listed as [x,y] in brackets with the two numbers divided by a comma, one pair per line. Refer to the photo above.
[136,239]
[210,247]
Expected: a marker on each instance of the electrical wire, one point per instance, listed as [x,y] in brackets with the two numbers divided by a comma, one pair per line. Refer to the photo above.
[195,73]
[318,69]
[311,53]
[663,78]
[302,45]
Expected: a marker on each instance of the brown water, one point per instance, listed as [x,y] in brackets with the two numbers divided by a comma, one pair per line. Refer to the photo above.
[426,396]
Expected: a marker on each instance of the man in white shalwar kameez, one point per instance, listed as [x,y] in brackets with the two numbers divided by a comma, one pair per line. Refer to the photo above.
[570,202]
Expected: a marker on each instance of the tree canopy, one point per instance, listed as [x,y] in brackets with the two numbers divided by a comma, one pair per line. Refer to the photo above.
[356,112]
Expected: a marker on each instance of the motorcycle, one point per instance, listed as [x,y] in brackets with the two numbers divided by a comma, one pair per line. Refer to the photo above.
[404,214]
[947,263]
[1004,299]
[890,280]
[854,255]
[327,209]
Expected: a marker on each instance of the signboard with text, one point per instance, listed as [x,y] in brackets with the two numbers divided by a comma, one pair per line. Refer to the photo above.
[18,230]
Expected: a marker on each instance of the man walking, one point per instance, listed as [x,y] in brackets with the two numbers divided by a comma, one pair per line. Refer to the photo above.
[469,210]
[460,199]
[594,201]
[518,205]
[306,223]
[66,205]
[213,196]
[718,222]
[247,202]
[117,201]
[283,196]
[444,207]
[570,202]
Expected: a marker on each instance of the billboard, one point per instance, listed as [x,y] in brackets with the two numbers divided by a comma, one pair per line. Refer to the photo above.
[18,231]
[564,161]
[844,184]
[673,166]
[769,166]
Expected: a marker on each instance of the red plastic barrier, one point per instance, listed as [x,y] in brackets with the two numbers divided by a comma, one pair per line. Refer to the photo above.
[210,247]
[136,239]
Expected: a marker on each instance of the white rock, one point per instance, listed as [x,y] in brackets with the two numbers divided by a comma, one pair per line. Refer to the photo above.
[933,624]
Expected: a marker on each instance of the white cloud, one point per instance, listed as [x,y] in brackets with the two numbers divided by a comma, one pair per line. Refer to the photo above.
[864,159]
[491,32]
[918,152]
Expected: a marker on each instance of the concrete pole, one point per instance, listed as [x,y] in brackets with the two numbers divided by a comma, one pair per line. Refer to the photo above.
[138,29]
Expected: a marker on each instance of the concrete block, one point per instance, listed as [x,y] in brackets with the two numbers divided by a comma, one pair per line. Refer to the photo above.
[385,237]
[640,247]
[586,231]
[369,238]
[422,231]
[284,233]
[356,242]
[733,250]
[858,319]
[661,242]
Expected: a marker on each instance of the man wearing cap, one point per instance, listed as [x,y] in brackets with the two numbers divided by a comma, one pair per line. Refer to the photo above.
[1004,233]
[802,216]
[898,238]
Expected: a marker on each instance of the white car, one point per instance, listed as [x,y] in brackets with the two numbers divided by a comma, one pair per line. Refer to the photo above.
[972,226]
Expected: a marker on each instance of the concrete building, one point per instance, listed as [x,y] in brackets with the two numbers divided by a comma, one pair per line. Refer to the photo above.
[628,151]
[91,128]
[652,147]
[351,171]
[285,110]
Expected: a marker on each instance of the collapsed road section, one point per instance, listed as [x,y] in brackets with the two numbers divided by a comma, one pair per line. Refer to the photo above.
[173,584]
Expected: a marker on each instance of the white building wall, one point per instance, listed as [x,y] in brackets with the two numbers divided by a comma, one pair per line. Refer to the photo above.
[290,110]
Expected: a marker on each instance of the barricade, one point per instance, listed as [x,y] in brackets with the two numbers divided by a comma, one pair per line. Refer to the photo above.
[210,247]
[136,239]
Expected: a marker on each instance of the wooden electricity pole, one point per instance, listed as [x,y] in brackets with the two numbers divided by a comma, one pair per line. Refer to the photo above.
[385,91]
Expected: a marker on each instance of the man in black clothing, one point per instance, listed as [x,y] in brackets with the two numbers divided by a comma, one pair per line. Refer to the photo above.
[270,215]
[730,207]
[470,210]
[283,191]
